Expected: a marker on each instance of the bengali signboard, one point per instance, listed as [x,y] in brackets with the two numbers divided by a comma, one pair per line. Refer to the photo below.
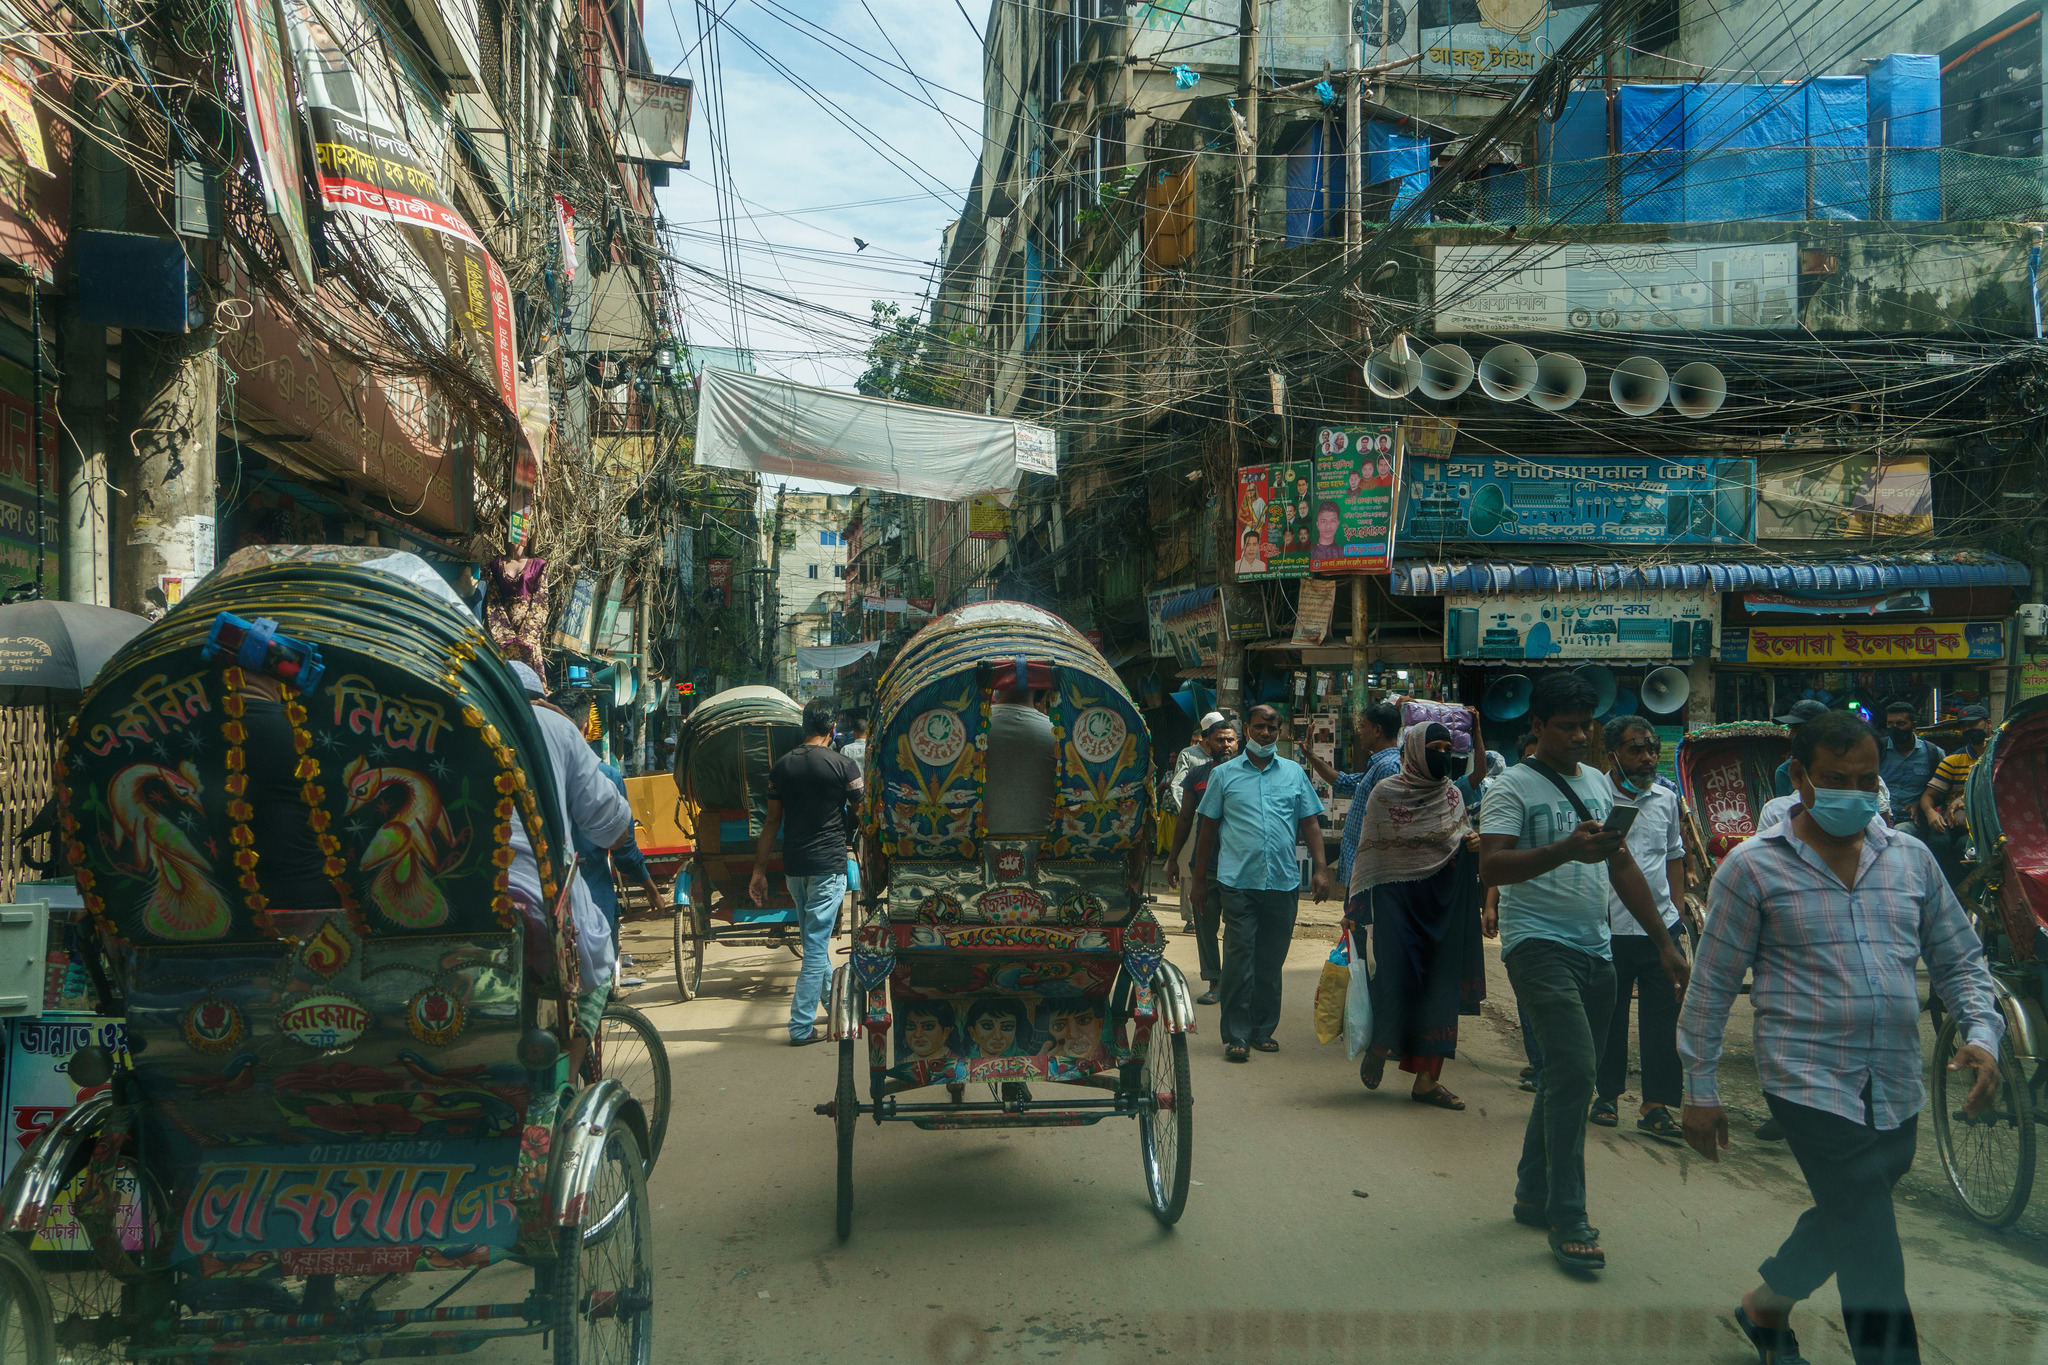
[1356,469]
[1654,500]
[18,479]
[1613,289]
[40,1091]
[1628,624]
[1910,645]
[1860,496]
[1498,39]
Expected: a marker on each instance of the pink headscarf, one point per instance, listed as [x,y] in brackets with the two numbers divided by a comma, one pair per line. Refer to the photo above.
[1413,822]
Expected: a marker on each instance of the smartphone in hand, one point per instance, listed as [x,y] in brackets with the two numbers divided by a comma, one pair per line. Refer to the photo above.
[1620,819]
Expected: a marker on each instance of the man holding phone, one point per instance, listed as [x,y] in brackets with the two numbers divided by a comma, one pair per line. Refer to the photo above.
[1550,839]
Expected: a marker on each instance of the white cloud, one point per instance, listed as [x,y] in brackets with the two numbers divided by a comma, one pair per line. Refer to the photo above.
[791,157]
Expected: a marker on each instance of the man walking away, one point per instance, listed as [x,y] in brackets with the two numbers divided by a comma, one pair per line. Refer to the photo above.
[1377,730]
[1256,806]
[811,793]
[1542,840]
[1832,909]
[1220,742]
[1658,848]
[856,745]
[1908,763]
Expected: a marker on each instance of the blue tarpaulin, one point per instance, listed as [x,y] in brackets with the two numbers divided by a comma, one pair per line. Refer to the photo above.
[1905,113]
[1650,137]
[1393,155]
[1869,573]
[1315,187]
[1837,128]
[1034,292]
[1573,153]
[1744,153]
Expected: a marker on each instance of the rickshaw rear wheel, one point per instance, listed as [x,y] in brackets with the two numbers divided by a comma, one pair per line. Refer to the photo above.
[1166,1125]
[1989,1157]
[631,1052]
[28,1324]
[691,924]
[604,1285]
[845,1113]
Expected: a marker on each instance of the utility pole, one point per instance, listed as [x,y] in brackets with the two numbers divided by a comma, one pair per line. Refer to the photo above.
[82,373]
[1354,129]
[163,465]
[1230,653]
[770,592]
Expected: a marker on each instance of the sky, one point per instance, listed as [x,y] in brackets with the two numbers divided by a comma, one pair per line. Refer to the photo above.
[805,184]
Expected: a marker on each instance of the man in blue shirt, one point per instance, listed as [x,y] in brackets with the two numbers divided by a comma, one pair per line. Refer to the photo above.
[1908,763]
[1256,807]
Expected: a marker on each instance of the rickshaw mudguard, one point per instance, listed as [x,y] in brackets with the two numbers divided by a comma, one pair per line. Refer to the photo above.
[41,1173]
[579,1144]
[2025,1026]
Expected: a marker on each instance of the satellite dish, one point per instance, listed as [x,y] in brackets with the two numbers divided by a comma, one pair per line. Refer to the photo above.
[1603,680]
[1507,697]
[1490,510]
[1666,689]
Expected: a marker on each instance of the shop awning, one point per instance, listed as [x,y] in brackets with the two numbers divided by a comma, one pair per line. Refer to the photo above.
[1869,573]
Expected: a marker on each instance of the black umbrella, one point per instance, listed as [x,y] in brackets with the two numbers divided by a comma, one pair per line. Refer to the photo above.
[59,646]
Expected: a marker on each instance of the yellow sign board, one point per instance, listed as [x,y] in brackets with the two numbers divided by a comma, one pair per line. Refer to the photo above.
[1906,645]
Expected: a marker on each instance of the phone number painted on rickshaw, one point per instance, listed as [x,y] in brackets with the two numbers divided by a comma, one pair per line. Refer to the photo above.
[276,1200]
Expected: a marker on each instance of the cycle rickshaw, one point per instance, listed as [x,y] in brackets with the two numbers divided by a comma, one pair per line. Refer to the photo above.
[303,1099]
[728,745]
[1725,773]
[1011,961]
[1989,1156]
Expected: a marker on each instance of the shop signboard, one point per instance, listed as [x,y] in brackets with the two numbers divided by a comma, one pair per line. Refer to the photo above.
[987,519]
[1908,645]
[1860,496]
[39,1092]
[1650,625]
[718,578]
[1608,289]
[1356,472]
[1652,501]
[2033,676]
[1186,625]
[1853,604]
[18,479]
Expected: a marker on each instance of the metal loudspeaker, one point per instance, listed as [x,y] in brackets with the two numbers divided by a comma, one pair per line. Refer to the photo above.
[1605,684]
[1639,386]
[1560,381]
[1665,689]
[1507,697]
[1447,371]
[1507,373]
[1698,389]
[1391,376]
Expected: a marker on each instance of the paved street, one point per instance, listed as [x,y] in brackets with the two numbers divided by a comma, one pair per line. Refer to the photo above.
[1327,1223]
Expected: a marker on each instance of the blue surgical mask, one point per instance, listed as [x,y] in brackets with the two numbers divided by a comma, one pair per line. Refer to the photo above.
[1842,813]
[1257,750]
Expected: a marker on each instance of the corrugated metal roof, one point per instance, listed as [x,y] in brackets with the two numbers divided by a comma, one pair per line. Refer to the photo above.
[1870,573]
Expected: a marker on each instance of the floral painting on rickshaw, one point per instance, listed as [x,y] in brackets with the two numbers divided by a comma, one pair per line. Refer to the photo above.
[1103,768]
[929,771]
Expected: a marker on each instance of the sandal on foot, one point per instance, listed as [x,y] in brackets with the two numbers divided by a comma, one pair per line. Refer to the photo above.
[1237,1052]
[1441,1097]
[1774,1345]
[1266,1045]
[1659,1124]
[1531,1216]
[1605,1114]
[1580,1236]
[1371,1067]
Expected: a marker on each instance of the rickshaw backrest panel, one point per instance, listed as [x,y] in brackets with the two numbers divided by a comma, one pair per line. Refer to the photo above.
[1726,772]
[337,1041]
[2018,809]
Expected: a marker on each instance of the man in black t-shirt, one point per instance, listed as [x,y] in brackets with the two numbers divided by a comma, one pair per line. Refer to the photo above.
[811,792]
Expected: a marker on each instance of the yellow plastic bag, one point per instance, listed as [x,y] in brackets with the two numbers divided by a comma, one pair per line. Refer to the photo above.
[1331,992]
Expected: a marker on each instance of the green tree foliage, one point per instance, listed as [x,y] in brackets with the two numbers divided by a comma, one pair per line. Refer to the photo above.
[909,359]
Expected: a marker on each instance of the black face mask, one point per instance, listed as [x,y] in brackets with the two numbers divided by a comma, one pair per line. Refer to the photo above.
[1902,740]
[1439,763]
[1974,738]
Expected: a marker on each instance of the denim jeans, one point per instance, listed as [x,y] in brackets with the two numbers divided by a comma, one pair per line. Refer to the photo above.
[1566,994]
[817,909]
[1258,926]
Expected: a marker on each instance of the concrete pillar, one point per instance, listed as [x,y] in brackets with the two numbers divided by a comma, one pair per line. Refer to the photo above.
[162,466]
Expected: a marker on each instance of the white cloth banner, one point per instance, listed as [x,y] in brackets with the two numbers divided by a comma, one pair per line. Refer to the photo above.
[748,421]
[834,656]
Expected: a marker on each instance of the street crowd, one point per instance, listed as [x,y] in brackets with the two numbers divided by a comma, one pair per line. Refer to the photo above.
[1582,873]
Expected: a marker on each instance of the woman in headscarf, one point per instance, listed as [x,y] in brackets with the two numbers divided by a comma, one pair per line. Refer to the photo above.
[1419,855]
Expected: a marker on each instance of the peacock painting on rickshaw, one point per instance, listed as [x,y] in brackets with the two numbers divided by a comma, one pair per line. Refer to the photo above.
[1006,939]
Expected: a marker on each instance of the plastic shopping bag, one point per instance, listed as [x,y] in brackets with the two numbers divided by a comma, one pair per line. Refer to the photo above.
[1330,994]
[1357,1004]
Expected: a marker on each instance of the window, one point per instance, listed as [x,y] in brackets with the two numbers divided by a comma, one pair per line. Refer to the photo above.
[813,568]
[830,538]
[839,571]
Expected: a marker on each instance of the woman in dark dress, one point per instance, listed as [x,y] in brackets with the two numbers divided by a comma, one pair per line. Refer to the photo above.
[1419,855]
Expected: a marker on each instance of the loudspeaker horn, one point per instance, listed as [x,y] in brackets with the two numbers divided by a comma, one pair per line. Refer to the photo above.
[1507,697]
[1507,373]
[1698,389]
[1604,683]
[1624,705]
[1447,371]
[1560,381]
[1666,689]
[1639,386]
[1390,376]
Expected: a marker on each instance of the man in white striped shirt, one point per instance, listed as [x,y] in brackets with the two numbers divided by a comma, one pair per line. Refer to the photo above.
[1832,909]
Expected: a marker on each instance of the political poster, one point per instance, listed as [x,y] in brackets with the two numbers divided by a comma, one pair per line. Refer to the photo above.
[1273,520]
[1355,470]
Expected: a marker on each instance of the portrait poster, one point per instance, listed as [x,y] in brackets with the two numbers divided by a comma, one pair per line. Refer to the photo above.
[1275,497]
[1353,525]
[1254,496]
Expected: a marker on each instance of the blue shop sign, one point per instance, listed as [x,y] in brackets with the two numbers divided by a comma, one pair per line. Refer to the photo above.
[1649,501]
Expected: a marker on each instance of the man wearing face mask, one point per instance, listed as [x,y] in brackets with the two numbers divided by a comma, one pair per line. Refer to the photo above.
[1909,761]
[1942,822]
[1833,909]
